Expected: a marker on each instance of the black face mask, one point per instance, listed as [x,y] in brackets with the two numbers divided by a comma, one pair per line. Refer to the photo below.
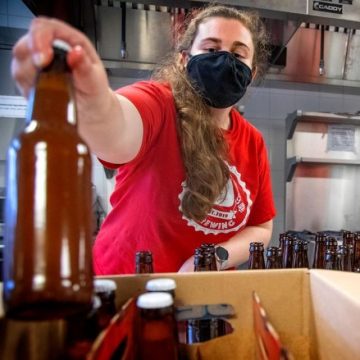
[219,77]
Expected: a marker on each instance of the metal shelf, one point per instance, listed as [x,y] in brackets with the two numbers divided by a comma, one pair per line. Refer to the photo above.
[292,163]
[299,116]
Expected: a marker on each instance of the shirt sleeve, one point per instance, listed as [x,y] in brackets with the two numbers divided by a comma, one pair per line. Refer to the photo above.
[263,208]
[151,99]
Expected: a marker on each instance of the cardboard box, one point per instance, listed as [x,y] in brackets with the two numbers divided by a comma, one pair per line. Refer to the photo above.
[316,312]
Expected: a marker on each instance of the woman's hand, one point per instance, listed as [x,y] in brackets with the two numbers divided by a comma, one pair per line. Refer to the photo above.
[188,265]
[34,51]
[110,124]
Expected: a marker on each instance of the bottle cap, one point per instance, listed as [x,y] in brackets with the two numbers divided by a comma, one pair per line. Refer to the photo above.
[61,44]
[154,300]
[162,284]
[104,285]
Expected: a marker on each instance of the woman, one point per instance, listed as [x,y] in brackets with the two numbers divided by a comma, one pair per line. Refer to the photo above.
[191,169]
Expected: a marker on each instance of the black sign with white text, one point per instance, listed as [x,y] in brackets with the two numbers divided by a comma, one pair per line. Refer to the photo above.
[326,7]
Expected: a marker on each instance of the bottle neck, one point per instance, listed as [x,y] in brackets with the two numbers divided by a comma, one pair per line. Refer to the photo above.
[51,99]
[256,260]
[144,268]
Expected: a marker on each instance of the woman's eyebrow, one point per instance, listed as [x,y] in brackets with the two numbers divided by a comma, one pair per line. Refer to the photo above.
[240,44]
[216,40]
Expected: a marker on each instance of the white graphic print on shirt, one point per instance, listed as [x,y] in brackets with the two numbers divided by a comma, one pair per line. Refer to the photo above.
[231,210]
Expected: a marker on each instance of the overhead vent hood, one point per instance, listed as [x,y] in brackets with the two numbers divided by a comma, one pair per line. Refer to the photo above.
[313,41]
[344,13]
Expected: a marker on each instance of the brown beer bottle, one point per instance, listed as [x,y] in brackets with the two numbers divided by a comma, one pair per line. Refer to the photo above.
[298,255]
[48,263]
[144,262]
[282,236]
[356,255]
[157,336]
[256,256]
[82,329]
[198,261]
[200,330]
[105,290]
[272,258]
[209,251]
[331,244]
[305,253]
[340,257]
[330,260]
[349,259]
[287,252]
[319,253]
[204,258]
[348,238]
[208,262]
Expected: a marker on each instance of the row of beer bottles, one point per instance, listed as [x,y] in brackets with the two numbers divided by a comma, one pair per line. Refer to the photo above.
[293,253]
[295,256]
[329,254]
[204,260]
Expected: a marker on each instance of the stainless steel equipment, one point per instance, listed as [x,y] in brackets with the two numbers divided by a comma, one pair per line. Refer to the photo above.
[132,36]
[323,170]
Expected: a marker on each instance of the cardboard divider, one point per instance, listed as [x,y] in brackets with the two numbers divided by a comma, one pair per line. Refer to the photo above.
[282,292]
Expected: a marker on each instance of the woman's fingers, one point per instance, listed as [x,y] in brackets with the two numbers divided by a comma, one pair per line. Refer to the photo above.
[23,69]
[34,50]
[43,31]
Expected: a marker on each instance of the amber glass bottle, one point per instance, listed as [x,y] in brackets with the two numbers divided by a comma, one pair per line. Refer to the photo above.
[331,244]
[256,256]
[305,253]
[282,236]
[319,253]
[287,252]
[340,257]
[82,329]
[330,260]
[105,289]
[356,255]
[204,258]
[348,238]
[200,330]
[198,261]
[47,264]
[144,262]
[157,336]
[209,251]
[298,255]
[272,258]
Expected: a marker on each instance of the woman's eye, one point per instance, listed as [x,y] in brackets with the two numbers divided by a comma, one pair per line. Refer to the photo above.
[211,49]
[237,55]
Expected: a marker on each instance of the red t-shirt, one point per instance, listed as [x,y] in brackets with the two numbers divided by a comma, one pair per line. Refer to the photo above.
[146,201]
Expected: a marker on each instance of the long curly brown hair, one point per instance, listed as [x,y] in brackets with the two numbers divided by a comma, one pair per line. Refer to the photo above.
[203,147]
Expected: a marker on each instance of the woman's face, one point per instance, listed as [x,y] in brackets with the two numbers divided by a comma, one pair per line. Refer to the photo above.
[222,34]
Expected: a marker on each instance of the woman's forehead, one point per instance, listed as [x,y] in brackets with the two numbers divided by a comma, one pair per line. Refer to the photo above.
[227,29]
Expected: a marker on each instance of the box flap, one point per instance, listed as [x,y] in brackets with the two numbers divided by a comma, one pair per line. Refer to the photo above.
[336,303]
